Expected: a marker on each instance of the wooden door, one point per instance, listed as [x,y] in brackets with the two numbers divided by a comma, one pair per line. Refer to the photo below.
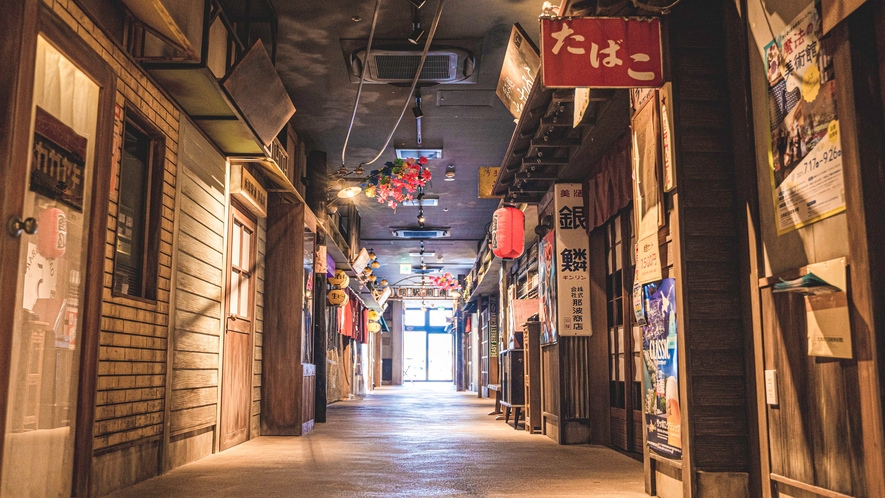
[625,379]
[236,381]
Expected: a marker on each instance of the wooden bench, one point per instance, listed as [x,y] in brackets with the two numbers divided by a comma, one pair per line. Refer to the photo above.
[517,411]
[497,390]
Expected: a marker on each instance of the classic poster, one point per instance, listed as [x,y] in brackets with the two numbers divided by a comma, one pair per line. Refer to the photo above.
[647,191]
[572,247]
[805,148]
[663,416]
[547,288]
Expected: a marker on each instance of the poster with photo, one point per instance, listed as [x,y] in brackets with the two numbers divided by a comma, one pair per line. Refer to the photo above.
[805,148]
[547,288]
[663,416]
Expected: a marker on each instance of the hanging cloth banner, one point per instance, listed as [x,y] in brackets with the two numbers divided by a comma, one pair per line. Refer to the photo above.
[601,52]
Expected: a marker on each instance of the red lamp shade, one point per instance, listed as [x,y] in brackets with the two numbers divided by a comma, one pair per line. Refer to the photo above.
[508,232]
[53,233]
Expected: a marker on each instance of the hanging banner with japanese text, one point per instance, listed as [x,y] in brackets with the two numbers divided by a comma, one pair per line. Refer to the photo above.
[601,52]
[805,147]
[521,62]
[572,248]
[660,377]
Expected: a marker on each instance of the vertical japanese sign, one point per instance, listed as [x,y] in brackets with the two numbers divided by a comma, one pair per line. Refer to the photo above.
[668,154]
[547,287]
[571,247]
[647,192]
[805,148]
[493,327]
[521,62]
[663,416]
[601,52]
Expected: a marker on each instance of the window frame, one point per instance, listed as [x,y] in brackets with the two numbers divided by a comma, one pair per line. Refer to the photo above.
[153,206]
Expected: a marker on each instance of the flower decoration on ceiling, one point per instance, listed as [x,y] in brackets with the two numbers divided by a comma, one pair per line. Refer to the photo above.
[397,180]
[446,281]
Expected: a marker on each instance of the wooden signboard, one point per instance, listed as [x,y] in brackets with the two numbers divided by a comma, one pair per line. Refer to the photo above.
[521,63]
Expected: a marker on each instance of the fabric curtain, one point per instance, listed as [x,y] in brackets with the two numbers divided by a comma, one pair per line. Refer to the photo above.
[609,187]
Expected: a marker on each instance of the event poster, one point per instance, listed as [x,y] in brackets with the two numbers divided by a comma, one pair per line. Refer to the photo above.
[663,416]
[547,288]
[805,148]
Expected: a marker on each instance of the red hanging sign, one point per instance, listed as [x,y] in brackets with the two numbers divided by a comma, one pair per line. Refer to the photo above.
[601,52]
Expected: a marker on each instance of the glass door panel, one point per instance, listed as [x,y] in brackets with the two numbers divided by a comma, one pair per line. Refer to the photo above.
[39,443]
[415,355]
[439,357]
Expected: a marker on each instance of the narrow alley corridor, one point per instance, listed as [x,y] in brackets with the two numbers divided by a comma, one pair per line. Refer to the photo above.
[413,440]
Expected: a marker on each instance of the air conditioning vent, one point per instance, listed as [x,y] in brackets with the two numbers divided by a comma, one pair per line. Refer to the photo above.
[398,65]
[420,233]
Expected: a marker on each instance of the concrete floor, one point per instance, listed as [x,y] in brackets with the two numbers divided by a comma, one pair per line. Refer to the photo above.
[414,440]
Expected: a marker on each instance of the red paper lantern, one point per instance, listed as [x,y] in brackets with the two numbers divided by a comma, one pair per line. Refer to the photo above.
[508,232]
[53,233]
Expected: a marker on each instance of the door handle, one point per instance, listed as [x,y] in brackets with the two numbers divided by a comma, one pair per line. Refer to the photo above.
[232,318]
[16,226]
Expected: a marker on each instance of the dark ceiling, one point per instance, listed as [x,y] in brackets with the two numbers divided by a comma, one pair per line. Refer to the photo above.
[312,64]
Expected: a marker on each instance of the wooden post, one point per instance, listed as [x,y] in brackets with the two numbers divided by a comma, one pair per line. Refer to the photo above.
[282,370]
[320,340]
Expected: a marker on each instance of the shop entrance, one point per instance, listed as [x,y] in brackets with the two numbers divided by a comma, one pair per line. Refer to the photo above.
[624,337]
[428,349]
[54,218]
[236,384]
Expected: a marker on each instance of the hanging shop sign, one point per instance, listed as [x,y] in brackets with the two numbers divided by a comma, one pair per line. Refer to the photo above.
[493,328]
[601,52]
[582,101]
[340,279]
[59,161]
[508,232]
[521,63]
[487,178]
[245,188]
[647,192]
[571,248]
[805,146]
[663,416]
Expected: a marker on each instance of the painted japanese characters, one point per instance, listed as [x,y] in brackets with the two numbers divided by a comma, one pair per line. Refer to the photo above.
[565,281]
[521,63]
[805,148]
[663,415]
[601,52]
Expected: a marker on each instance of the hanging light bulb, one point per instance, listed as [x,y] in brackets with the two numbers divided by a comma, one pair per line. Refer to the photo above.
[421,218]
[375,264]
[384,282]
[372,255]
[359,170]
[372,278]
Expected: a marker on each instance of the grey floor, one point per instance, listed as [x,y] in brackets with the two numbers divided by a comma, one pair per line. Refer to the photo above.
[414,440]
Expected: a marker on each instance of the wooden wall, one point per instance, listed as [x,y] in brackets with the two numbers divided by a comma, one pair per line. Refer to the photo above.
[258,327]
[713,378]
[199,300]
[131,383]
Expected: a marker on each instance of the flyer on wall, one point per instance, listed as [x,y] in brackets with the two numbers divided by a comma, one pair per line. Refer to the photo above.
[663,416]
[805,148]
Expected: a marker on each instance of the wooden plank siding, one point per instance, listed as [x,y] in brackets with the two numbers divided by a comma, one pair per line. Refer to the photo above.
[706,240]
[258,328]
[198,313]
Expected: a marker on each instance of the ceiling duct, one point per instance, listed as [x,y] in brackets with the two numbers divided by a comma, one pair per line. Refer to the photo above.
[420,233]
[398,65]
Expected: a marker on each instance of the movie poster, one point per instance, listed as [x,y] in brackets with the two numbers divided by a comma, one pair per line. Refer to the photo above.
[805,149]
[547,288]
[660,373]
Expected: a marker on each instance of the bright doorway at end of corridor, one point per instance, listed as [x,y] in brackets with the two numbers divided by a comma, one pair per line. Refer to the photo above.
[428,344]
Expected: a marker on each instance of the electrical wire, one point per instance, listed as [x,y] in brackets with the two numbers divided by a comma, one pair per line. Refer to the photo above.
[427,43]
[652,8]
[359,91]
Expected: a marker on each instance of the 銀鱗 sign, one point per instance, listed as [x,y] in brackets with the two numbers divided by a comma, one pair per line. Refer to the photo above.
[601,52]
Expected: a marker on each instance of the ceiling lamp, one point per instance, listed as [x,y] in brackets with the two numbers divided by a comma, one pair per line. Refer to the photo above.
[349,192]
[421,218]
[384,282]
[372,255]
[375,264]
[450,173]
